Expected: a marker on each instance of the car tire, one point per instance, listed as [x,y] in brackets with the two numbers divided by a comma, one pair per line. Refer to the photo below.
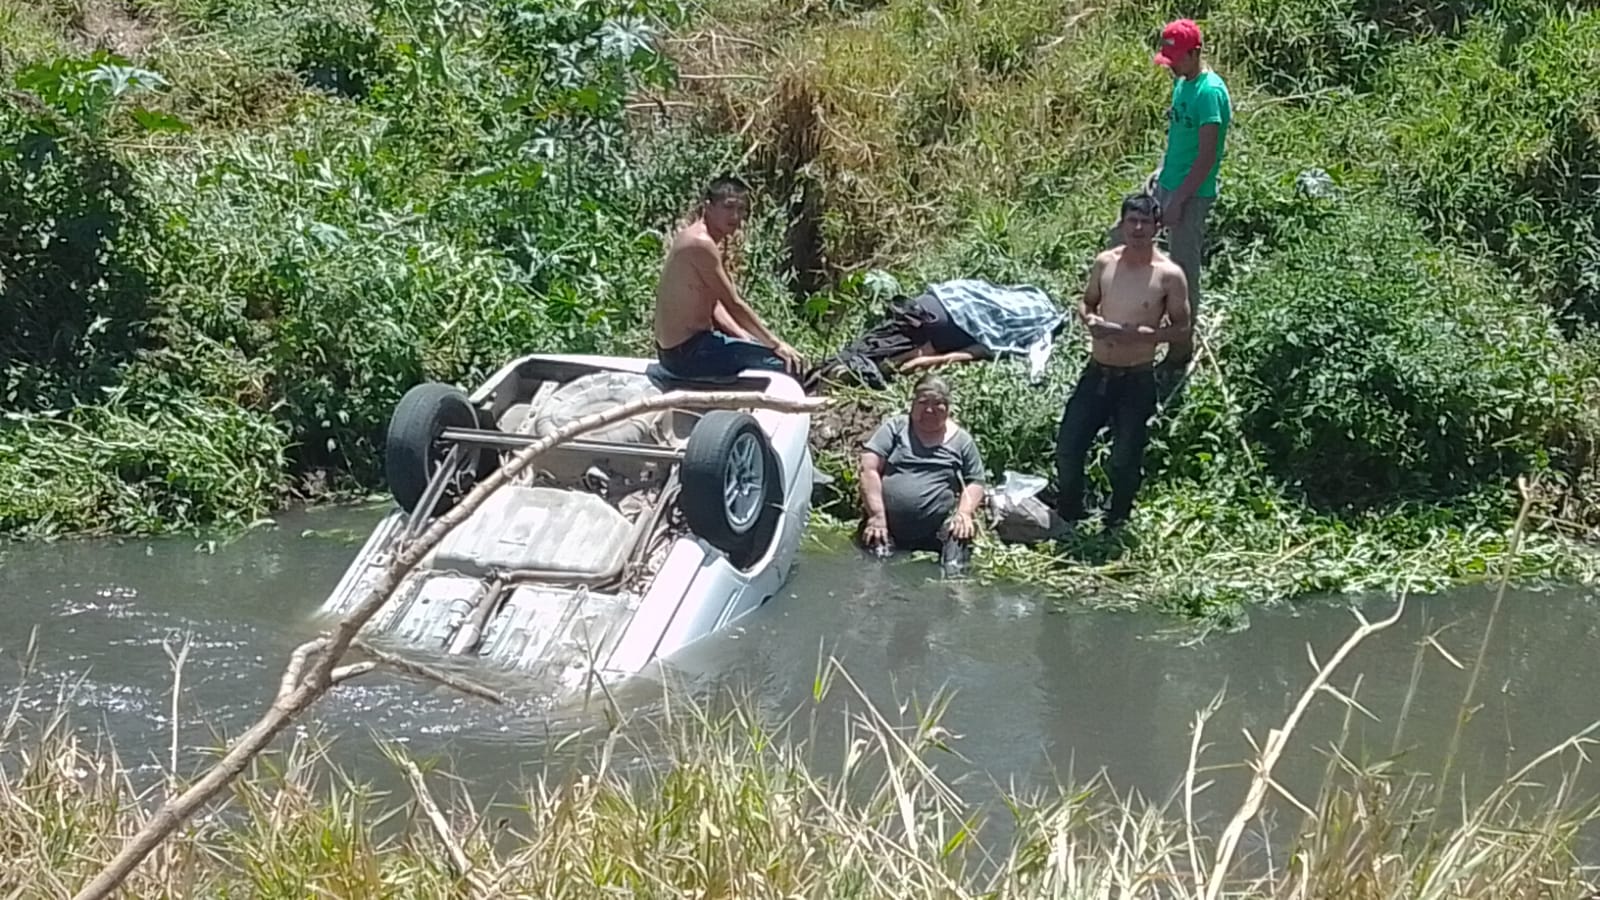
[412,451]
[728,446]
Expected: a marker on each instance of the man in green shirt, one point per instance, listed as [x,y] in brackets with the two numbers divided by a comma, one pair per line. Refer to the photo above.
[1186,184]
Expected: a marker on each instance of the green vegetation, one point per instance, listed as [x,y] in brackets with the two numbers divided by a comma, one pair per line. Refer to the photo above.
[733,805]
[226,260]
[234,234]
[1386,357]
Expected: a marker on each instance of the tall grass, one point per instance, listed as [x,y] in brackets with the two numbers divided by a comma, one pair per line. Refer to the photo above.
[712,799]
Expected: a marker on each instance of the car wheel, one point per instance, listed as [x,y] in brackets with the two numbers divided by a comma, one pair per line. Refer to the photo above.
[732,485]
[413,451]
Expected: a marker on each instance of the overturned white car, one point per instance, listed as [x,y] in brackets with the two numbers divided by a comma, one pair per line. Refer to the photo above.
[610,551]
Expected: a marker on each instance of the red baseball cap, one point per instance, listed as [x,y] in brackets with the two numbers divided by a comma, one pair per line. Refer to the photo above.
[1177,39]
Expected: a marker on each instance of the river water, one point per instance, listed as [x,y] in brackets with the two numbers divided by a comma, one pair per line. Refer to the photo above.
[1038,694]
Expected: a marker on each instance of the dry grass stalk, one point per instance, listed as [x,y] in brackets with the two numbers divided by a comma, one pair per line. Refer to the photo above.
[1272,750]
[299,689]
[459,863]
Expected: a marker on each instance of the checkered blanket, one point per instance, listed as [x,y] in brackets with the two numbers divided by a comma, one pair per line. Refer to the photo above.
[1016,319]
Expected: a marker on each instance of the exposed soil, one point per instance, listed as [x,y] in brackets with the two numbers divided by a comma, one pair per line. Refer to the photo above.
[842,426]
[113,26]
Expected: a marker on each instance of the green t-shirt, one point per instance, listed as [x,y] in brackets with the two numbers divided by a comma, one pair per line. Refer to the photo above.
[1195,101]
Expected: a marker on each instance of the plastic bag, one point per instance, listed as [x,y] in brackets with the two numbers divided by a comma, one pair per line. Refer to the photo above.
[1017,515]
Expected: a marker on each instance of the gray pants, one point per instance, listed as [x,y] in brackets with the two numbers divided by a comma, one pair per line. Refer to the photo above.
[1186,240]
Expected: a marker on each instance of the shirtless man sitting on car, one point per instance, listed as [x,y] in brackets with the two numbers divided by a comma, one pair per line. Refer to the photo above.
[1132,289]
[703,328]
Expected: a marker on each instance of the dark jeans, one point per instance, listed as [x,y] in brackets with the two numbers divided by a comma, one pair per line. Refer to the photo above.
[1125,397]
[712,354]
[909,325]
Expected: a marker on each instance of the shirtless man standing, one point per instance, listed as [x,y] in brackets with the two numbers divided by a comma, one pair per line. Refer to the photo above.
[704,329]
[1131,289]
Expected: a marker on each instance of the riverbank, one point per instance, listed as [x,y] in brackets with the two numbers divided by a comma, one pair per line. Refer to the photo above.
[732,804]
[278,218]
[1031,703]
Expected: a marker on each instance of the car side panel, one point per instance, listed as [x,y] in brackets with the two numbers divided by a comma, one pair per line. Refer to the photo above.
[660,606]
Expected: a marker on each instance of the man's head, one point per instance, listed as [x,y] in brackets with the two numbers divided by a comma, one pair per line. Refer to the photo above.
[1180,48]
[930,404]
[724,206]
[1141,216]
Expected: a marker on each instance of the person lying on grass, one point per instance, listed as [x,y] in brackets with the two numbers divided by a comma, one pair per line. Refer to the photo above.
[922,481]
[703,328]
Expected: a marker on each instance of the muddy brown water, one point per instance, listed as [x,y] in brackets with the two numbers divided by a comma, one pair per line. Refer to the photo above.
[1038,695]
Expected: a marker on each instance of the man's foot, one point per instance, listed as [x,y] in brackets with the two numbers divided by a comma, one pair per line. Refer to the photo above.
[1061,528]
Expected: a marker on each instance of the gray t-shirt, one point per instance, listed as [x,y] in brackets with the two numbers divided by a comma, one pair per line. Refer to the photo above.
[921,484]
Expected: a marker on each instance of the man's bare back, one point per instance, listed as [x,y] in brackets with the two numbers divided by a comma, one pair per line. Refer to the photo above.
[702,325]
[686,304]
[1130,298]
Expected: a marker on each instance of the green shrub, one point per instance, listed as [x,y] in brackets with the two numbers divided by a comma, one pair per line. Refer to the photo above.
[1294,46]
[1372,367]
[75,290]
[1496,140]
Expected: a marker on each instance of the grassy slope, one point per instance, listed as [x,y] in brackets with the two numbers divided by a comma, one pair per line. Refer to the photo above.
[1372,365]
[301,256]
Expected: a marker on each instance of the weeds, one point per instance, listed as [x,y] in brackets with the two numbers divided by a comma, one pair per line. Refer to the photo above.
[712,799]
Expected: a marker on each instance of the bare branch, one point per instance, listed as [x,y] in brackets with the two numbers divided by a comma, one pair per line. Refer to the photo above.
[431,674]
[296,692]
[354,670]
[297,665]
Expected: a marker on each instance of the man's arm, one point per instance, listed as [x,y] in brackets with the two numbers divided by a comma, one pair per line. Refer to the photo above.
[708,264]
[1089,305]
[726,324]
[971,496]
[872,485]
[1204,158]
[962,524]
[971,353]
[1208,113]
[874,453]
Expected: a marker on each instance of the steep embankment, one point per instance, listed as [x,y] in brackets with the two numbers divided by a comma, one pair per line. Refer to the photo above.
[231,245]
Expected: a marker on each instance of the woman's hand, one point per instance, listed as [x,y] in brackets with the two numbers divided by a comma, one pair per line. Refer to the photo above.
[876,532]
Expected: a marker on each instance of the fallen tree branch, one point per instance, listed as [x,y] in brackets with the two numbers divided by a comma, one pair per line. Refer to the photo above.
[429,673]
[297,691]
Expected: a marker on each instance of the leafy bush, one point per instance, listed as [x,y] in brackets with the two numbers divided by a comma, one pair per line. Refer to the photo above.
[75,292]
[1299,45]
[1372,367]
[1495,140]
